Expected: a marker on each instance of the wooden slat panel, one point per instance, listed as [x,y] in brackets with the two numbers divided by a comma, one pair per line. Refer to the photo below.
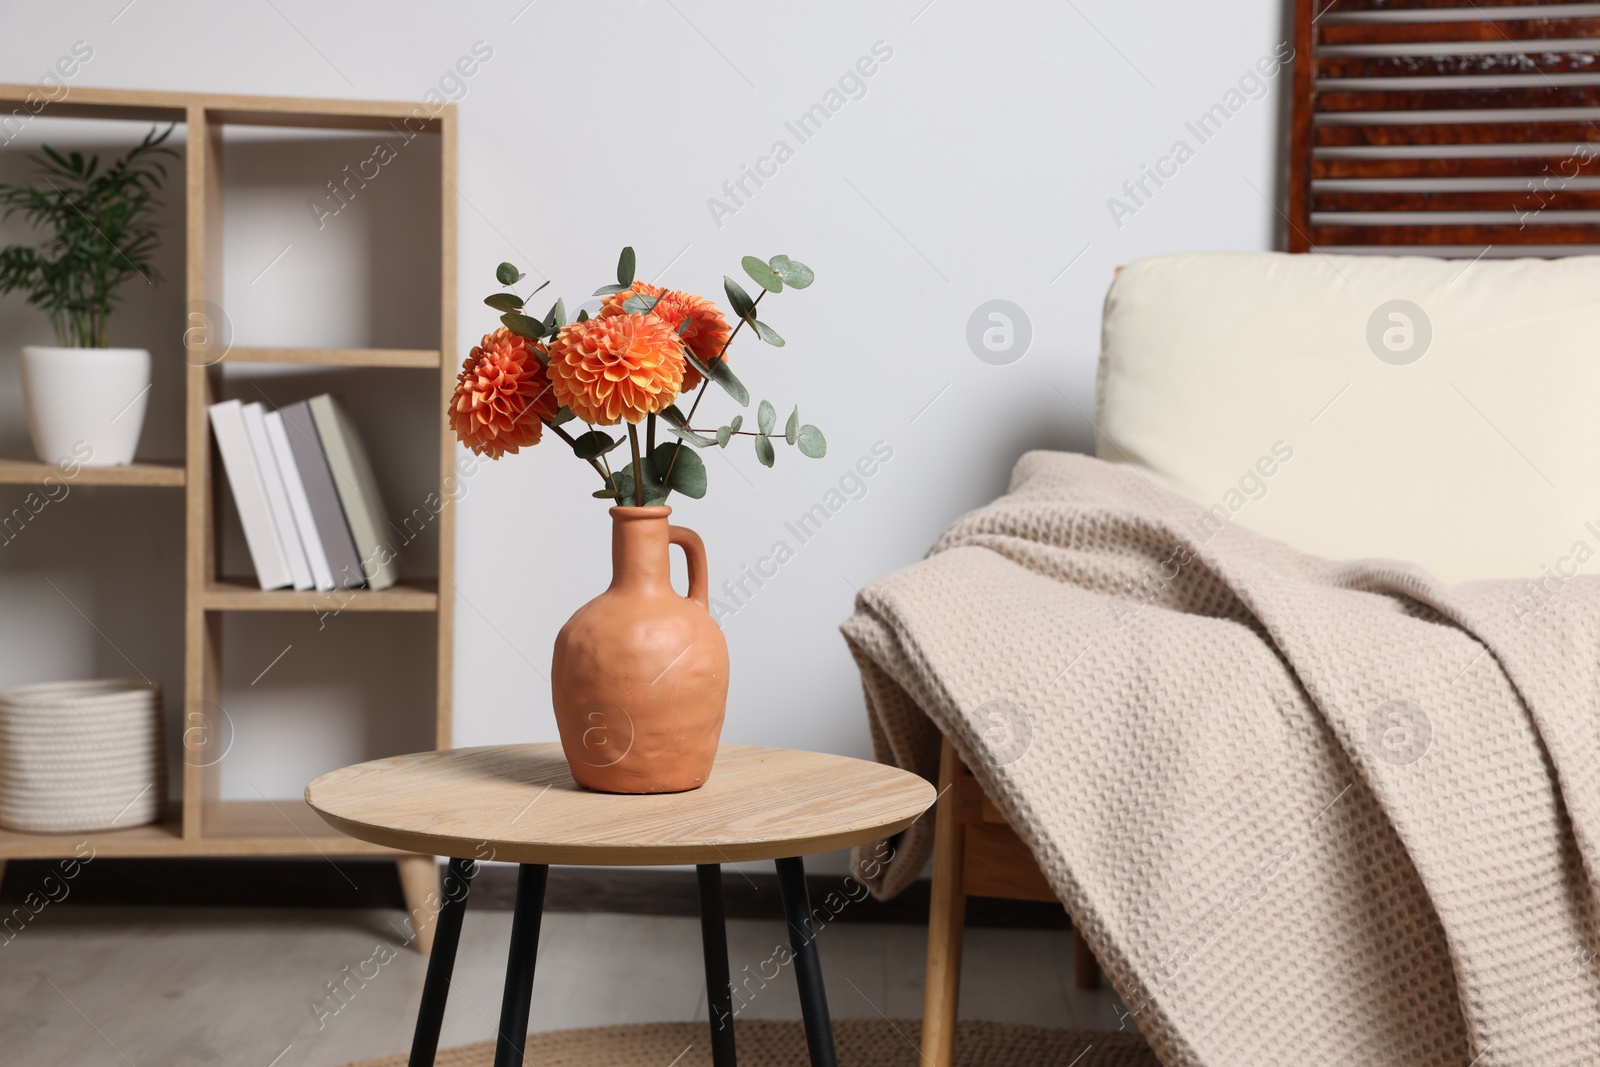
[1446,32]
[997,864]
[1418,133]
[1520,200]
[1448,99]
[1458,65]
[1569,166]
[1351,6]
[1458,234]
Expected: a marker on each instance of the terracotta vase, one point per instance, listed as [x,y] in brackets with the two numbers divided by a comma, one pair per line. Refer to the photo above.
[640,674]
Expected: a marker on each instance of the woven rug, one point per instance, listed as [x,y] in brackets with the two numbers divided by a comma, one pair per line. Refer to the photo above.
[762,1043]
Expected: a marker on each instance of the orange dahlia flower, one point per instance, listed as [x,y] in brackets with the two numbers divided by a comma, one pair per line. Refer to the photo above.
[616,367]
[502,394]
[706,334]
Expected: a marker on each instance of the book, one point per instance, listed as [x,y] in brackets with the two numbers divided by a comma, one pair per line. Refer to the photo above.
[249,495]
[326,512]
[358,490]
[255,426]
[299,504]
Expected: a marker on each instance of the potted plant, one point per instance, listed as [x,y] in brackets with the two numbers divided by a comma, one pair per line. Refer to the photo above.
[639,677]
[83,397]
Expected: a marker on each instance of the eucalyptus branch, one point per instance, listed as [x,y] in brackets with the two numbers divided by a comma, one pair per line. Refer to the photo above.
[706,381]
[573,441]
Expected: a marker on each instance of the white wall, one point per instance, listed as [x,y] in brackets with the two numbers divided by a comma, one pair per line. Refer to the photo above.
[976,165]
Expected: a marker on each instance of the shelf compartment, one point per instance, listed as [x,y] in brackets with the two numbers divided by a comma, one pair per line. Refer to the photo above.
[231,828]
[423,358]
[243,594]
[34,472]
[162,838]
[272,827]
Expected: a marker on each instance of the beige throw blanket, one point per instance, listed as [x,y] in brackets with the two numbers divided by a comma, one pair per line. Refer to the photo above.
[1305,812]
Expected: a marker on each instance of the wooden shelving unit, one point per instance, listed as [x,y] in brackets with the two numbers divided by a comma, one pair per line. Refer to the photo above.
[202,823]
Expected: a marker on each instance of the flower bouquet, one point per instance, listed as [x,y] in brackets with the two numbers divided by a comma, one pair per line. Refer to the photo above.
[639,678]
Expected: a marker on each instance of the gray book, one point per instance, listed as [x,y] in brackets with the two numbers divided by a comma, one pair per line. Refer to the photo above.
[358,490]
[326,512]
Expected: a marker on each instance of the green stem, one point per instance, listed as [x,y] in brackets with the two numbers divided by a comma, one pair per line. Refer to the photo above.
[570,440]
[650,434]
[638,466]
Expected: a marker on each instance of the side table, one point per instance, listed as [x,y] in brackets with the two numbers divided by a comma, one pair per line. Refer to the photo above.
[518,803]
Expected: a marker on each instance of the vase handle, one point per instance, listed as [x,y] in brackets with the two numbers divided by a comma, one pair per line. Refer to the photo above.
[694,553]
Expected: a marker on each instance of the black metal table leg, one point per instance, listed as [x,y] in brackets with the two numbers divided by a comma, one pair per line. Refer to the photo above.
[714,939]
[441,962]
[807,970]
[518,996]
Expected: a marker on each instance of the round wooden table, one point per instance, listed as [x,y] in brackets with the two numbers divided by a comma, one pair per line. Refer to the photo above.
[518,803]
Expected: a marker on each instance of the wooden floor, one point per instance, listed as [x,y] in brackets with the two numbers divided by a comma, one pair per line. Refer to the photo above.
[84,986]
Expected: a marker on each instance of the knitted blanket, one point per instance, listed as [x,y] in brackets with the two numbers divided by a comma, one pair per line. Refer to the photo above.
[1303,811]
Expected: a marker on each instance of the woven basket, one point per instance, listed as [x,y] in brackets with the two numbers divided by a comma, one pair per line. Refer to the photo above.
[80,756]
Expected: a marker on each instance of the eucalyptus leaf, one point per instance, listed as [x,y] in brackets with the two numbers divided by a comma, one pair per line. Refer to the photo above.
[607,290]
[523,326]
[792,427]
[811,442]
[735,423]
[688,470]
[764,450]
[683,433]
[796,275]
[557,317]
[762,274]
[593,444]
[683,327]
[583,315]
[625,264]
[724,435]
[737,297]
[767,333]
[674,414]
[766,416]
[507,274]
[718,372]
[541,286]
[640,305]
[604,494]
[504,301]
[563,415]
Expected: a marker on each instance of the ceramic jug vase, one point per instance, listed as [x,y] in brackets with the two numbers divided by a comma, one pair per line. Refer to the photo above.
[640,674]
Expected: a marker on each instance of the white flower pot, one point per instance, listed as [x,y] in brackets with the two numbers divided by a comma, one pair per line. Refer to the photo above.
[85,404]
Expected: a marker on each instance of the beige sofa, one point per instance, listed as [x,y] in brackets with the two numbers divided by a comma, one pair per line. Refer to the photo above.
[1441,411]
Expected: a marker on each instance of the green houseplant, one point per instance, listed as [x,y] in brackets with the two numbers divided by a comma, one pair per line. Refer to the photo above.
[85,399]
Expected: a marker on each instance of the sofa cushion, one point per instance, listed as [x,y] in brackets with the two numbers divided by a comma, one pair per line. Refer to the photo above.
[1441,411]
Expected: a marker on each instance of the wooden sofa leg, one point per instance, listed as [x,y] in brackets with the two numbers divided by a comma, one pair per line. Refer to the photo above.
[419,882]
[1085,968]
[941,991]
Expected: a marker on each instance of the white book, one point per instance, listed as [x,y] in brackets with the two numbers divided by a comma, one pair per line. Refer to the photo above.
[299,502]
[255,425]
[249,495]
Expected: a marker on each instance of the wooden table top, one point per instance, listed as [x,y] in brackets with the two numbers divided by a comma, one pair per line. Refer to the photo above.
[518,803]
